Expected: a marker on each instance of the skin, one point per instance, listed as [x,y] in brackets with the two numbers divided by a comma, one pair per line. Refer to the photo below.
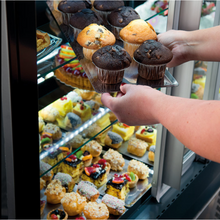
[195,123]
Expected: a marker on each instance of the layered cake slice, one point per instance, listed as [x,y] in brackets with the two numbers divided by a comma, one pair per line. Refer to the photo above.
[123,130]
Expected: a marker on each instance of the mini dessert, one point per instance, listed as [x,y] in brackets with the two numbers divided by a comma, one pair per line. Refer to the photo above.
[123,130]
[93,105]
[104,8]
[41,124]
[131,178]
[93,147]
[97,98]
[55,192]
[69,122]
[115,206]
[197,91]
[111,62]
[53,158]
[104,164]
[88,189]
[152,57]
[112,116]
[96,174]
[49,113]
[43,40]
[115,159]
[42,183]
[82,19]
[148,134]
[83,111]
[57,214]
[138,168]
[118,186]
[54,130]
[68,8]
[94,210]
[42,206]
[85,156]
[121,17]
[135,33]
[48,175]
[73,203]
[66,181]
[63,105]
[151,153]
[113,140]
[85,94]
[137,147]
[65,150]
[46,139]
[93,37]
[71,73]
[73,166]
[74,97]
[76,142]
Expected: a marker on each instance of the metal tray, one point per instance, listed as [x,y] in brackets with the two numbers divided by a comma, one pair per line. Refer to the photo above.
[54,43]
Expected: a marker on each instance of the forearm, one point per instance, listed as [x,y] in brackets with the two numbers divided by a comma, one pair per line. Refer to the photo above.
[195,123]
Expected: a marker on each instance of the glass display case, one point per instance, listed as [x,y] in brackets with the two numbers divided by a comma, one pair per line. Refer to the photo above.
[59,126]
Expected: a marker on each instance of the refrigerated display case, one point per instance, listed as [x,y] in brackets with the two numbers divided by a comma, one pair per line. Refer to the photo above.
[180,183]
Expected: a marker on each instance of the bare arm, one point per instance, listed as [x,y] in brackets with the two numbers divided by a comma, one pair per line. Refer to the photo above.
[195,123]
[192,45]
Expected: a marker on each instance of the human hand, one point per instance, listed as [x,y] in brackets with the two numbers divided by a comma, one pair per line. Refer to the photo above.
[135,104]
[176,41]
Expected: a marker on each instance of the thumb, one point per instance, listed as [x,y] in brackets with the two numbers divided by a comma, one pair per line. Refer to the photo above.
[106,99]
[124,88]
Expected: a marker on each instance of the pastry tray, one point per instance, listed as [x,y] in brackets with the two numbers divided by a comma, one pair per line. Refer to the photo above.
[133,196]
[54,43]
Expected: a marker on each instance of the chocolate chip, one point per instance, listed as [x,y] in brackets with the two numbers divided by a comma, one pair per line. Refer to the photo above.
[120,20]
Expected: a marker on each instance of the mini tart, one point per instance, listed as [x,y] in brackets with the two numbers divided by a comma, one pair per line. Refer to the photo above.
[106,164]
[73,203]
[93,147]
[131,183]
[55,192]
[115,206]
[93,210]
[62,214]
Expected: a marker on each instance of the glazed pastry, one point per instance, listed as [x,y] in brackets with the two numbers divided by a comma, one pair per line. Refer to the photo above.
[88,189]
[53,158]
[95,174]
[118,186]
[66,181]
[85,156]
[138,168]
[131,178]
[151,153]
[93,147]
[115,159]
[70,121]
[83,111]
[54,130]
[55,192]
[123,130]
[42,183]
[57,214]
[49,113]
[72,166]
[94,210]
[73,203]
[137,147]
[113,140]
[148,134]
[63,105]
[42,206]
[44,167]
[115,206]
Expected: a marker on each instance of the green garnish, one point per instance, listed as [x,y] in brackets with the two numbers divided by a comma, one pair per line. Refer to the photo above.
[132,175]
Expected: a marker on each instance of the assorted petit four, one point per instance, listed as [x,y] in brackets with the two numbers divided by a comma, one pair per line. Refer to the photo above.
[93,147]
[85,156]
[131,178]
[66,181]
[151,153]
[57,214]
[46,171]
[83,110]
[137,147]
[113,140]
[123,130]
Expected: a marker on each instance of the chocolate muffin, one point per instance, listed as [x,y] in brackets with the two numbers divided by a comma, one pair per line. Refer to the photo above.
[111,62]
[152,57]
[82,19]
[67,8]
[105,7]
[120,17]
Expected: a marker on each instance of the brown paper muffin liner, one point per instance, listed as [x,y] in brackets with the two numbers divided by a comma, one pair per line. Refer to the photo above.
[115,30]
[74,31]
[104,15]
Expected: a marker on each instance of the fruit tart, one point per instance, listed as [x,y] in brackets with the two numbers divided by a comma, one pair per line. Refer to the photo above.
[57,214]
[118,186]
[131,178]
[73,166]
[96,174]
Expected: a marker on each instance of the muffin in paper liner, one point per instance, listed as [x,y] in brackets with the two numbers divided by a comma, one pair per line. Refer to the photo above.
[74,31]
[115,30]
[104,15]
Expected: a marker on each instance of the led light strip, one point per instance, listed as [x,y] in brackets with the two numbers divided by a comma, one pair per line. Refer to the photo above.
[75,132]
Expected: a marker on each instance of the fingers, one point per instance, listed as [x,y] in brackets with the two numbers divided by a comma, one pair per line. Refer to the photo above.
[106,99]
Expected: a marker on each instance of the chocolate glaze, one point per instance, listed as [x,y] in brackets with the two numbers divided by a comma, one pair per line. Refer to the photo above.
[73,164]
[117,186]
[96,175]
